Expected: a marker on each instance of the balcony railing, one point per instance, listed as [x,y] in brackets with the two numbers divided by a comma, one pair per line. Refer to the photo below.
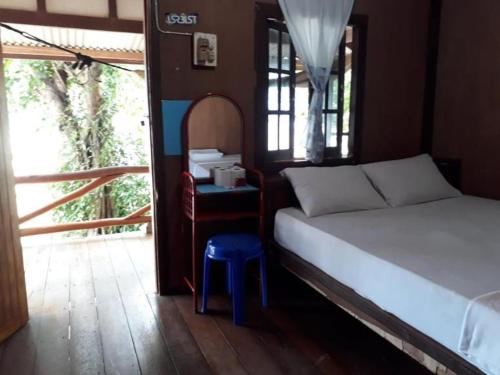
[97,178]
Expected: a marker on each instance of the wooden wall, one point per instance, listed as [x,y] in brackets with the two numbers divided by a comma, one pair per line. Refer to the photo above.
[234,76]
[394,89]
[215,122]
[467,110]
[13,302]
[395,77]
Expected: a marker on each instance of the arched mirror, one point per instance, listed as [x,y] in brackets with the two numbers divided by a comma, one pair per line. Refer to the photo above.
[213,130]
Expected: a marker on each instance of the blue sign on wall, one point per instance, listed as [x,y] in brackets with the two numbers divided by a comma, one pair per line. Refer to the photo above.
[181,18]
[173,116]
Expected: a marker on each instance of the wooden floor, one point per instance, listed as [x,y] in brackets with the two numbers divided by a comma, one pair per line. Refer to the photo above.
[94,311]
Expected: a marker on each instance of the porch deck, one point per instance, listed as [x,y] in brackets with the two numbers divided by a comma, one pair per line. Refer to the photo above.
[94,311]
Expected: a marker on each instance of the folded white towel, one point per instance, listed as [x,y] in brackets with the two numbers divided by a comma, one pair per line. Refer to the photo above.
[205,154]
[203,151]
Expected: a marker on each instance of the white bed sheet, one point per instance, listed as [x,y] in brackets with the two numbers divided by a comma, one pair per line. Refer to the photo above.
[423,263]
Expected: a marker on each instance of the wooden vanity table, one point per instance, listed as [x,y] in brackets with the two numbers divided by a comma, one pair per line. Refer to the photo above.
[206,206]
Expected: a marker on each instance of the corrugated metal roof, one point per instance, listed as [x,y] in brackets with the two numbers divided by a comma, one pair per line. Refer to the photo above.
[76,38]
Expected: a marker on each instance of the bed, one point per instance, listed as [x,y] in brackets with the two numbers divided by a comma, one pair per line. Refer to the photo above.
[408,271]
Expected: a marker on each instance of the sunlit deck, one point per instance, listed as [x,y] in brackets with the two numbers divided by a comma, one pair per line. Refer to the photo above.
[86,296]
[79,268]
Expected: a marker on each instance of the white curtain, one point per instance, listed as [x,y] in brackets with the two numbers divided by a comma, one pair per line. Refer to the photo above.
[316,28]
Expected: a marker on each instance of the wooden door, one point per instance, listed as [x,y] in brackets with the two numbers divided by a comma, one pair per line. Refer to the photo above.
[13,300]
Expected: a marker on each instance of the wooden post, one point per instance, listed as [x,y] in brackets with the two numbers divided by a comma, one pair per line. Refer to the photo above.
[13,300]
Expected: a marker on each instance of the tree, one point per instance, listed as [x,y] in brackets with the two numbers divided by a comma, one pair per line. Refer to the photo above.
[85,103]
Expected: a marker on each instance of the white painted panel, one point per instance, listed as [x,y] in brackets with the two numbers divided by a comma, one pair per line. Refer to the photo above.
[130,9]
[94,8]
[18,4]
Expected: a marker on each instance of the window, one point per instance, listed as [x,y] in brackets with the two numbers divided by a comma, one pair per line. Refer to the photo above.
[289,92]
[280,93]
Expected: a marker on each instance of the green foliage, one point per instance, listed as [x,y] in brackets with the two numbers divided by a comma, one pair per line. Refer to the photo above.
[25,87]
[79,210]
[87,104]
[125,195]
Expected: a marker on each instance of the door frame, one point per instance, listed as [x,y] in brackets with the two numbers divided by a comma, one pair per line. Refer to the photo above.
[13,296]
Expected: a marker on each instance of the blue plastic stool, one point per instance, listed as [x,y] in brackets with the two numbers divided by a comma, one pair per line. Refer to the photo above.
[235,250]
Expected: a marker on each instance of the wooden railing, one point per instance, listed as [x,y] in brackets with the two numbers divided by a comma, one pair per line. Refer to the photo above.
[97,178]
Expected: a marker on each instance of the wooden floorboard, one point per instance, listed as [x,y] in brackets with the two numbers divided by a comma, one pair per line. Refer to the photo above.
[52,337]
[150,347]
[85,343]
[301,340]
[19,352]
[36,261]
[317,347]
[218,352]
[52,356]
[143,260]
[286,355]
[313,323]
[94,311]
[252,353]
[186,354]
[118,347]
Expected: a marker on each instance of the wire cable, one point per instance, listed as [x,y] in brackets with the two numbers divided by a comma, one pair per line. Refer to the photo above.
[82,60]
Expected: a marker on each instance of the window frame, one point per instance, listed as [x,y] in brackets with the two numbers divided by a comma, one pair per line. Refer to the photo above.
[282,154]
[274,163]
[335,152]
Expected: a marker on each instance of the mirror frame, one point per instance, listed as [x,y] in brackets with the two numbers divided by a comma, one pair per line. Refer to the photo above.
[185,130]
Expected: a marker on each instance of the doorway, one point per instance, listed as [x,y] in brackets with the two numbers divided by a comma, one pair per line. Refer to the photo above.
[80,143]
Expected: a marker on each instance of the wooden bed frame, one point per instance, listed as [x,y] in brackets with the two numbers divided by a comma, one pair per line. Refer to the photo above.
[430,353]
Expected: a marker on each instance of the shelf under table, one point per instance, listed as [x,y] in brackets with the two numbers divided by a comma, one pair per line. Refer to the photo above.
[203,189]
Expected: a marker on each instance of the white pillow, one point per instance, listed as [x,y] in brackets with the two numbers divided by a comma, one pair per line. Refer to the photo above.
[325,190]
[409,181]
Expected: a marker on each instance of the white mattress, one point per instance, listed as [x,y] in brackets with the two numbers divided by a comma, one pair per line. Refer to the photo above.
[423,263]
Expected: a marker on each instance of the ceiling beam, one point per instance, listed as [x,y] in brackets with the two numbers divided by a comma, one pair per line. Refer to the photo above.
[47,53]
[41,18]
[41,6]
[113,10]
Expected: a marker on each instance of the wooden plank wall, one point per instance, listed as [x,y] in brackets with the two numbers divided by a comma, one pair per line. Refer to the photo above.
[392,107]
[13,300]
[215,123]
